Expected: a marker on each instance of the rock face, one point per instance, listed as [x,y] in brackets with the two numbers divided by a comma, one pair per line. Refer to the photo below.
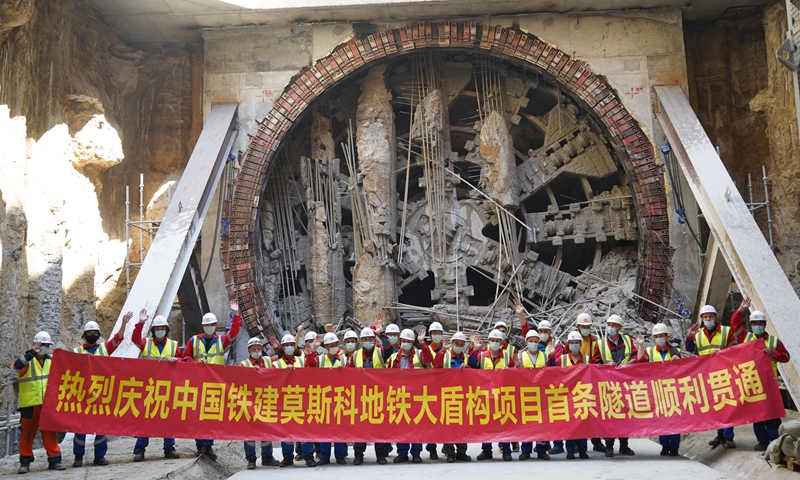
[497,148]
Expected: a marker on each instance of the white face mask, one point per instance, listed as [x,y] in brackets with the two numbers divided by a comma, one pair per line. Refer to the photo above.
[459,350]
[160,333]
[351,347]
[209,329]
[544,337]
[406,346]
[533,346]
[436,338]
[333,350]
[44,350]
[369,345]
[255,355]
[288,350]
[661,342]
[495,346]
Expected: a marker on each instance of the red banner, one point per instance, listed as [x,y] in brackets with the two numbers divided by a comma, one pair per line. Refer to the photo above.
[143,398]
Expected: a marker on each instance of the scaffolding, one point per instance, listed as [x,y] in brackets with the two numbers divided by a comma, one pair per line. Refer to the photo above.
[148,227]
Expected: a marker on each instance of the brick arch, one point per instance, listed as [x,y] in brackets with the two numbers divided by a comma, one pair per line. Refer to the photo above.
[239,246]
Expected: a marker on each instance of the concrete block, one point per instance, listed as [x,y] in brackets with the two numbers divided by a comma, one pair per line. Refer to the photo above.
[632,34]
[328,36]
[253,49]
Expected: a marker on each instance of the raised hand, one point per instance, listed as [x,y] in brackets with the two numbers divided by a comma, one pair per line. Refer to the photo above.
[446,343]
[746,302]
[300,328]
[421,336]
[519,308]
[640,340]
[125,319]
[273,342]
[693,329]
[142,315]
[476,341]
[235,306]
[329,327]
[516,359]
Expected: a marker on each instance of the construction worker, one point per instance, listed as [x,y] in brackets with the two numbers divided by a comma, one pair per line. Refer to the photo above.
[590,346]
[393,340]
[708,341]
[554,349]
[334,357]
[575,356]
[350,344]
[453,356]
[766,431]
[617,349]
[91,334]
[32,369]
[437,336]
[157,347]
[494,358]
[257,360]
[289,360]
[505,346]
[532,357]
[662,351]
[368,356]
[407,357]
[209,348]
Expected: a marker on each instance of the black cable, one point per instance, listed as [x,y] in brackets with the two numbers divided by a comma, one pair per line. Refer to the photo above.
[671,162]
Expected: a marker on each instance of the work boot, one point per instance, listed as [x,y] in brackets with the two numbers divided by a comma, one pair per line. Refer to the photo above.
[730,443]
[610,452]
[434,455]
[287,461]
[524,456]
[416,459]
[269,461]
[556,451]
[323,461]
[515,446]
[507,457]
[673,452]
[381,460]
[359,460]
[78,462]
[171,453]
[583,455]
[665,451]
[24,465]
[400,459]
[484,455]
[543,456]
[341,461]
[100,461]
[597,445]
[298,457]
[310,462]
[716,441]
[201,450]
[451,459]
[210,453]
[570,456]
[251,462]
[463,457]
[54,463]
[760,447]
[138,456]
[626,450]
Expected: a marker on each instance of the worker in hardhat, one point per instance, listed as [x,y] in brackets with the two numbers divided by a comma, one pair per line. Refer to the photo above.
[662,351]
[257,360]
[429,352]
[91,336]
[547,342]
[393,337]
[618,348]
[209,348]
[334,357]
[33,368]
[573,357]
[590,346]
[453,354]
[502,327]
[350,344]
[766,431]
[407,357]
[156,347]
[532,357]
[493,358]
[708,340]
[287,359]
[368,356]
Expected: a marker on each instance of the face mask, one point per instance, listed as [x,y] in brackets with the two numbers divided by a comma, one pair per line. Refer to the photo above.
[333,350]
[369,345]
[710,324]
[320,350]
[92,339]
[585,332]
[436,338]
[44,351]
[611,331]
[661,342]
[458,350]
[533,346]
[544,337]
[495,346]
[575,347]
[351,347]
[255,355]
[393,339]
[160,333]
[505,337]
[758,330]
[407,346]
[288,350]
[210,330]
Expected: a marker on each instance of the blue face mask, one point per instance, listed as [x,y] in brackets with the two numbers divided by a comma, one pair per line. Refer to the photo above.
[575,347]
[710,324]
[758,330]
[611,331]
[369,345]
[393,339]
[436,338]
[661,342]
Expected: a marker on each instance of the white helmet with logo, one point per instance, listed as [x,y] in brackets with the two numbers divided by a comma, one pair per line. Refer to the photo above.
[254,341]
[435,327]
[459,336]
[159,321]
[545,325]
[209,319]
[584,319]
[616,319]
[758,316]
[310,337]
[573,336]
[500,324]
[532,333]
[660,328]
[708,309]
[350,334]
[288,338]
[94,326]
[43,337]
[495,334]
[367,332]
[392,328]
[407,334]
[329,338]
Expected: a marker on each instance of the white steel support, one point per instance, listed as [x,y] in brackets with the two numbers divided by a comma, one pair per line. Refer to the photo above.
[749,258]
[162,269]
[715,281]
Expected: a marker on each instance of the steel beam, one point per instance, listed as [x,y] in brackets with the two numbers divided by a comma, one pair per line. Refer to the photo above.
[715,281]
[165,264]
[749,258]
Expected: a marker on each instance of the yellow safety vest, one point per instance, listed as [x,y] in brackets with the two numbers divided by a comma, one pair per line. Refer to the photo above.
[100,352]
[772,344]
[448,359]
[325,361]
[566,360]
[281,363]
[151,352]
[528,361]
[488,364]
[33,383]
[215,355]
[377,358]
[248,362]
[718,341]
[510,350]
[417,361]
[605,352]
[654,355]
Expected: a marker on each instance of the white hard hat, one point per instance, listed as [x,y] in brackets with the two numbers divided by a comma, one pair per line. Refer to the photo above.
[367,332]
[574,336]
[43,337]
[209,319]
[94,326]
[584,319]
[310,336]
[708,309]
[407,334]
[660,328]
[329,338]
[254,341]
[532,333]
[758,316]
[436,326]
[545,325]
[288,338]
[350,334]
[392,328]
[495,334]
[616,319]
[459,336]
[501,324]
[159,321]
